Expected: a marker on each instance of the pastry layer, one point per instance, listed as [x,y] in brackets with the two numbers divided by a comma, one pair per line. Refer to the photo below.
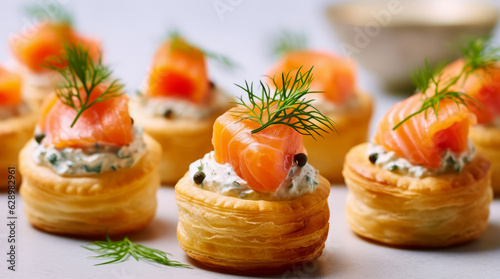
[182,141]
[117,202]
[433,211]
[487,142]
[14,133]
[249,235]
[327,154]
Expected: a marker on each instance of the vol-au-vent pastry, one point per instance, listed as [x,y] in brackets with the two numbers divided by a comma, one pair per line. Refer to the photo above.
[36,48]
[179,105]
[420,182]
[255,204]
[17,121]
[483,84]
[89,170]
[341,100]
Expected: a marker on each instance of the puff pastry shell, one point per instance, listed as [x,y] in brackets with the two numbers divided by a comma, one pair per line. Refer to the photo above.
[14,133]
[117,202]
[183,141]
[251,235]
[487,142]
[327,154]
[433,211]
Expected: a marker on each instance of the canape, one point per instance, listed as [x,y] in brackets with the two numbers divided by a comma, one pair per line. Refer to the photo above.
[342,101]
[179,106]
[36,48]
[420,183]
[89,171]
[483,84]
[17,121]
[255,204]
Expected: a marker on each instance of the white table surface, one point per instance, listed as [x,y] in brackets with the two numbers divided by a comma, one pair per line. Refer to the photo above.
[130,32]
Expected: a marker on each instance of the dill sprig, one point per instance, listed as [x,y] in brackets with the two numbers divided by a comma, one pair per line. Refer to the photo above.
[478,54]
[288,41]
[178,41]
[52,13]
[285,106]
[82,73]
[120,251]
[421,77]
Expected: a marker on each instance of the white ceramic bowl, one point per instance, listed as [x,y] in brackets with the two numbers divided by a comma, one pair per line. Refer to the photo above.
[392,38]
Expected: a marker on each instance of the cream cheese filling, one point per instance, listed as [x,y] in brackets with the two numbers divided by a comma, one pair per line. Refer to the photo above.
[177,108]
[326,106]
[7,112]
[450,161]
[93,160]
[222,179]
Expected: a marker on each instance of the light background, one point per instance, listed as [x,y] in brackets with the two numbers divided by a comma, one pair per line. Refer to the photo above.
[130,32]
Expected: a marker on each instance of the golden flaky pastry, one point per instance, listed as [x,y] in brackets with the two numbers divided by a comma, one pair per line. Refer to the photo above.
[327,154]
[433,211]
[117,202]
[14,133]
[487,142]
[183,141]
[251,235]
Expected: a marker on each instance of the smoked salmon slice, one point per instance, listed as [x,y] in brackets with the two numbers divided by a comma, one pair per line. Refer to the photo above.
[333,75]
[179,71]
[10,88]
[424,138]
[106,122]
[262,159]
[483,85]
[46,44]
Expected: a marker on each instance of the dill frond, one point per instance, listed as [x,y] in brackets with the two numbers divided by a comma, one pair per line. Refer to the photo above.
[285,106]
[478,54]
[179,42]
[47,12]
[82,73]
[288,41]
[120,251]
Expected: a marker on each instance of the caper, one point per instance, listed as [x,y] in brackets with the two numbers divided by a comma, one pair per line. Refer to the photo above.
[198,177]
[39,137]
[393,168]
[167,113]
[373,157]
[52,158]
[300,159]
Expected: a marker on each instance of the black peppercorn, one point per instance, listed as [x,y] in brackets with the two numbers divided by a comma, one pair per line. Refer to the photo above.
[132,120]
[198,177]
[39,138]
[373,157]
[300,159]
[212,85]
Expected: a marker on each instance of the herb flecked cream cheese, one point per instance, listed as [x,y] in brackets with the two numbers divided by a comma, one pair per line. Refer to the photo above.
[390,161]
[171,107]
[326,106]
[222,179]
[92,160]
[7,112]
